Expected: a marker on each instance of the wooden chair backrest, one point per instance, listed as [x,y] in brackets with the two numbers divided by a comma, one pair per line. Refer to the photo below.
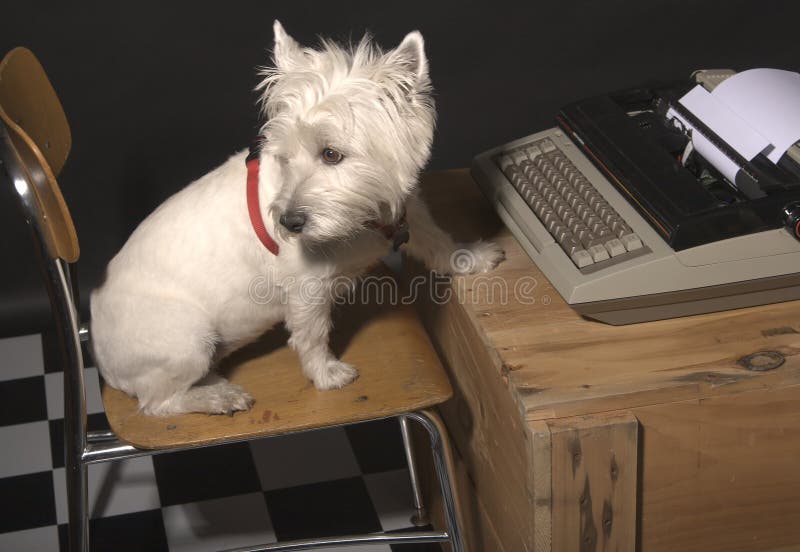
[39,132]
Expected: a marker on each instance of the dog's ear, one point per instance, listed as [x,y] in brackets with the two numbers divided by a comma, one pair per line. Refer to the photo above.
[410,55]
[286,49]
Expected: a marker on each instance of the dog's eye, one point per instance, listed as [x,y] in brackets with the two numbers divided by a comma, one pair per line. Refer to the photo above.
[331,156]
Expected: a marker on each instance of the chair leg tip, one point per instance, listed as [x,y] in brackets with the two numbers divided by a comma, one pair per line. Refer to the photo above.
[420,518]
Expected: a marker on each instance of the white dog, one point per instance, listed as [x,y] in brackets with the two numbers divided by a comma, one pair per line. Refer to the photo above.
[347,133]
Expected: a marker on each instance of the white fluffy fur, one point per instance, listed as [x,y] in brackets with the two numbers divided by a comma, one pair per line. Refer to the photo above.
[177,296]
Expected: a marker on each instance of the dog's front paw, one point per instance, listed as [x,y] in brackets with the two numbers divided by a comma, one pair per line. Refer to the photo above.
[476,257]
[334,374]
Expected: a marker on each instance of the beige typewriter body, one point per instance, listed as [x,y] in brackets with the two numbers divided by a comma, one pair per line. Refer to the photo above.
[645,279]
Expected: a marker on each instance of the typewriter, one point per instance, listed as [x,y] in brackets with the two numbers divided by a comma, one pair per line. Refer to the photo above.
[656,202]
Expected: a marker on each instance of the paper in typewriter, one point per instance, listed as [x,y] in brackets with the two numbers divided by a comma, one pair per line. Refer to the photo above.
[754,111]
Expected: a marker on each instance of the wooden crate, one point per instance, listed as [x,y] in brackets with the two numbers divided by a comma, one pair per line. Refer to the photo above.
[576,435]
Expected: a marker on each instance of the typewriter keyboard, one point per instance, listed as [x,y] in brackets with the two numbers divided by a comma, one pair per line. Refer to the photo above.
[588,229]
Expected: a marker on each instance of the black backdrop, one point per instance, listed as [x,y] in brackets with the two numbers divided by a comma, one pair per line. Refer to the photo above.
[159,93]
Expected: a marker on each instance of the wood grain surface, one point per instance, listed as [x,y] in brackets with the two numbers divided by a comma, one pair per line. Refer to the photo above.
[720,474]
[593,497]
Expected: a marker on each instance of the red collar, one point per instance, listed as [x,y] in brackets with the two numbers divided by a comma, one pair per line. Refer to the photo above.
[395,233]
[253,206]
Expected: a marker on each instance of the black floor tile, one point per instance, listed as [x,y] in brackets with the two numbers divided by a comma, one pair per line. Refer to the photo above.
[137,532]
[205,473]
[341,507]
[51,351]
[27,501]
[94,422]
[378,446]
[22,401]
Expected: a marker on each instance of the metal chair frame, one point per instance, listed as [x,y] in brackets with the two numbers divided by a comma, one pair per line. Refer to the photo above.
[83,447]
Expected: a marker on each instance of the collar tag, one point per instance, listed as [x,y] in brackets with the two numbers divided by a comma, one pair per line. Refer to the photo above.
[401,234]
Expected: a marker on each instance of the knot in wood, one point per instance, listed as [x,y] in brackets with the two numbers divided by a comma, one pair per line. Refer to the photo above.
[762,361]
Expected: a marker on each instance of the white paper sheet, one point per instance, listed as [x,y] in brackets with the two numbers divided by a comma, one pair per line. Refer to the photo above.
[725,123]
[756,111]
[769,101]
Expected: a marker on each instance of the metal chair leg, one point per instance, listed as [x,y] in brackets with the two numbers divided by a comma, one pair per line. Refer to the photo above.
[420,517]
[76,469]
[77,500]
[445,473]
[59,288]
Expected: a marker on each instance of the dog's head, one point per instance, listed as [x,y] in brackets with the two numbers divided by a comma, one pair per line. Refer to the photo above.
[351,128]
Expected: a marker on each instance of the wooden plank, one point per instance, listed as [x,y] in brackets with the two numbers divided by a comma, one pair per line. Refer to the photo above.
[594,467]
[542,455]
[720,474]
[559,364]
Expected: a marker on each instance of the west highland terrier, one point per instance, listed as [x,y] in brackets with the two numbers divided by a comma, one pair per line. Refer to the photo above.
[332,185]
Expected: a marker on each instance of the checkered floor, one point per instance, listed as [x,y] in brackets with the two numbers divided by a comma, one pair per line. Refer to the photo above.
[337,481]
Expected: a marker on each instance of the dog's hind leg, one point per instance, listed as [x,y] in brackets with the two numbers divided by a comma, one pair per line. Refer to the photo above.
[169,369]
[212,394]
[184,384]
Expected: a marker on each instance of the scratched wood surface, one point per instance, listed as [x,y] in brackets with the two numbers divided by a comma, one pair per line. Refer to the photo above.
[557,363]
[399,372]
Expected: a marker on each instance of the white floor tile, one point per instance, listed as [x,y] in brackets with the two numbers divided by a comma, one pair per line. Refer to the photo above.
[114,488]
[28,449]
[222,523]
[304,458]
[31,540]
[54,389]
[391,495]
[21,357]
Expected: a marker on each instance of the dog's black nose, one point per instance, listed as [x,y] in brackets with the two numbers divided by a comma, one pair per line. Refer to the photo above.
[293,221]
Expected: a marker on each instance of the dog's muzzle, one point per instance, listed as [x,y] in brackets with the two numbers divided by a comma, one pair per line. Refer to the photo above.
[293,221]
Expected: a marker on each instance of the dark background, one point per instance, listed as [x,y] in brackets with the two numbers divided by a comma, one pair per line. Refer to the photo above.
[157,94]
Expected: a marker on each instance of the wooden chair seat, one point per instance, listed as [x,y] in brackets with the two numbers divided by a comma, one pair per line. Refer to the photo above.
[399,372]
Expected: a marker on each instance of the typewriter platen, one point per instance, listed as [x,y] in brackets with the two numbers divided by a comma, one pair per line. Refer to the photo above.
[637,210]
